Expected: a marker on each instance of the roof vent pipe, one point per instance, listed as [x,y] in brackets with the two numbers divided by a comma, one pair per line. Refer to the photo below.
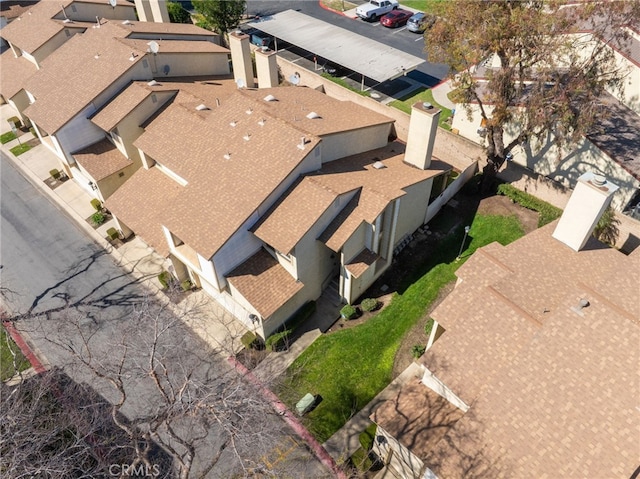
[303,141]
[217,101]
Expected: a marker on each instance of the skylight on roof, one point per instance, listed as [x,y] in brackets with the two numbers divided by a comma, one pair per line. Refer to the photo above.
[378,165]
[202,107]
[313,115]
[153,83]
[270,98]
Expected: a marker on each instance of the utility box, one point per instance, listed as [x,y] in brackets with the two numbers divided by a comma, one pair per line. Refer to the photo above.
[305,404]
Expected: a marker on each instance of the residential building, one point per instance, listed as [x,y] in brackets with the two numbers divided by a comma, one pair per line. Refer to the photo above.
[611,148]
[532,366]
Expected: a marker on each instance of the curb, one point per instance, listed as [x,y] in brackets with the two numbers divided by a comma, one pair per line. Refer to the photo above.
[316,448]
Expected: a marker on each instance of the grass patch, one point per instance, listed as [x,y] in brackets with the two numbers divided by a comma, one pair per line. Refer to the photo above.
[20,149]
[421,96]
[430,6]
[345,84]
[547,211]
[7,349]
[349,367]
[7,137]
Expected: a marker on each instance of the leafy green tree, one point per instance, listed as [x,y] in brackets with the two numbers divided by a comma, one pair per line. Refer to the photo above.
[554,65]
[177,14]
[220,15]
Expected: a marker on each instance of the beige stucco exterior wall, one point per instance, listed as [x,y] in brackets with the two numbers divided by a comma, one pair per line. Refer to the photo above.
[355,287]
[87,12]
[110,184]
[19,102]
[356,242]
[189,64]
[54,43]
[413,208]
[340,145]
[128,129]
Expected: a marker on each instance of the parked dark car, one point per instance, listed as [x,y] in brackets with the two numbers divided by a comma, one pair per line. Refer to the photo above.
[396,18]
[419,22]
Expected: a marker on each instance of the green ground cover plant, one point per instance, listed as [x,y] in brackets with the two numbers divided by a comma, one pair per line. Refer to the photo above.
[349,367]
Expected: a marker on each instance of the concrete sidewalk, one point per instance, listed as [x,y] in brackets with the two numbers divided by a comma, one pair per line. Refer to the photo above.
[214,324]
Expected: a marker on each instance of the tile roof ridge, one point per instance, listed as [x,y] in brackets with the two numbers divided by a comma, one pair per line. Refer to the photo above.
[315,180]
[483,251]
[610,304]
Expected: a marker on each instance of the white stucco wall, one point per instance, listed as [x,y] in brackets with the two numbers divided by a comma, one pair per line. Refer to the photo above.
[564,167]
[189,64]
[413,208]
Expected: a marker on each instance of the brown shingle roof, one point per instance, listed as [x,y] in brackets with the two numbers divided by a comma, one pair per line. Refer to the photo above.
[141,202]
[294,104]
[101,159]
[361,262]
[72,76]
[418,417]
[35,27]
[264,283]
[178,46]
[221,193]
[14,72]
[285,224]
[136,29]
[283,227]
[553,392]
[120,106]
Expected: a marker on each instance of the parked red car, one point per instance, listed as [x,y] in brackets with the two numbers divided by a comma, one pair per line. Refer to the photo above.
[396,18]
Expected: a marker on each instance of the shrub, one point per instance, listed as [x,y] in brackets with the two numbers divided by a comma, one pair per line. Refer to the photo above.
[278,341]
[369,304]
[165,278]
[32,130]
[249,340]
[607,229]
[112,233]
[98,218]
[20,149]
[547,211]
[348,311]
[96,203]
[16,121]
[367,436]
[186,285]
[418,350]
[55,174]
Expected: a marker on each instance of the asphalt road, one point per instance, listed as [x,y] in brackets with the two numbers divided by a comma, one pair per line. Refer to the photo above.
[428,73]
[66,291]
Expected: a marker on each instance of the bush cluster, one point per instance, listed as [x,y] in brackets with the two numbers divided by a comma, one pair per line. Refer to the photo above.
[348,311]
[418,350]
[547,211]
[98,218]
[369,304]
[278,341]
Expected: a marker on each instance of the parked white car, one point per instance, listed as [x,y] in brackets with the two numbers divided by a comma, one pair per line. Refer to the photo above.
[376,8]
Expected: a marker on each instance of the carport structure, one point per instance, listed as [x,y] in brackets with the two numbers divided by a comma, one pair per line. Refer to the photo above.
[367,57]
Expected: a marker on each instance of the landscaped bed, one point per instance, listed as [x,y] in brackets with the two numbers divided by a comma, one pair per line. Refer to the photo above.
[349,367]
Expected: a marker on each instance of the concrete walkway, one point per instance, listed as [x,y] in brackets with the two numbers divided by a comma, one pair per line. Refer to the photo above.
[440,93]
[347,440]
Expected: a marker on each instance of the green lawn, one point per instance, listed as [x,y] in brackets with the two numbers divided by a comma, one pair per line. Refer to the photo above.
[6,357]
[422,5]
[7,137]
[423,95]
[349,367]
[20,149]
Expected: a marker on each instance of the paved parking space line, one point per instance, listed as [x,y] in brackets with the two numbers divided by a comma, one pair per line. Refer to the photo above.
[400,30]
[418,39]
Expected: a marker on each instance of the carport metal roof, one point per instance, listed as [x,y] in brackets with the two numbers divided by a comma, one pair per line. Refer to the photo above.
[342,47]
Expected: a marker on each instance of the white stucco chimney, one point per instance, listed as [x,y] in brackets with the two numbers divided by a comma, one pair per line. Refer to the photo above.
[267,68]
[591,196]
[152,11]
[422,135]
[241,58]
